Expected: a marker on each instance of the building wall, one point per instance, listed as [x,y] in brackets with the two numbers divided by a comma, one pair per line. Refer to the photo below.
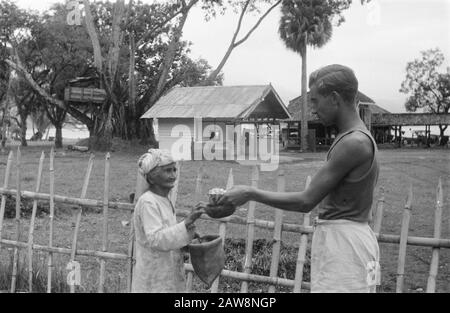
[176,135]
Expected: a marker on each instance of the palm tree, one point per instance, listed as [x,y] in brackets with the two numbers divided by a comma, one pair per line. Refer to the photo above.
[305,23]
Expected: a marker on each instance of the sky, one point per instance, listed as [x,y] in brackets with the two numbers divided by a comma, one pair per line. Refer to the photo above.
[377,41]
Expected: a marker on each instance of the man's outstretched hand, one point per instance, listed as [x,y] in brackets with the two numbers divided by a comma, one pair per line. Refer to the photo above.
[236,196]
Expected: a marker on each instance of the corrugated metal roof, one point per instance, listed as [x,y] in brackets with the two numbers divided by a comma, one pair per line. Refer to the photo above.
[210,102]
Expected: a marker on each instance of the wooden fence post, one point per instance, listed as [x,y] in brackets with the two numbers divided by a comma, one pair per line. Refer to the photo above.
[101,285]
[78,214]
[250,232]
[403,241]
[277,234]
[301,257]
[197,198]
[17,221]
[51,218]
[32,222]
[431,284]
[379,213]
[174,192]
[141,187]
[222,231]
[5,185]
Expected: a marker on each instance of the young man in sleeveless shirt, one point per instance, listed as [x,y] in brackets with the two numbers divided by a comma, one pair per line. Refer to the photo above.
[345,252]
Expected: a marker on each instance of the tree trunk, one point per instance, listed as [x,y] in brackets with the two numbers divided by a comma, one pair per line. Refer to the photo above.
[304,127]
[147,133]
[131,116]
[58,137]
[90,27]
[101,137]
[23,130]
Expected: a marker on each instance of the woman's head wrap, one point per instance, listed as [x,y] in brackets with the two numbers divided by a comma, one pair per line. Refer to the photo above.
[154,158]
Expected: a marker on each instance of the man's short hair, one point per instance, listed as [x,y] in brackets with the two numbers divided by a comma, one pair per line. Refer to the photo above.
[337,78]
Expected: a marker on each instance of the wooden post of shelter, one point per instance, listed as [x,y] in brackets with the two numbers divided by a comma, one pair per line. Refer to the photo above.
[17,222]
[250,232]
[431,284]
[301,257]
[101,285]
[222,231]
[32,222]
[277,233]
[403,241]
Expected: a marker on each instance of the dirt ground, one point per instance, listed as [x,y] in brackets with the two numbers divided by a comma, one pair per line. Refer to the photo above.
[399,168]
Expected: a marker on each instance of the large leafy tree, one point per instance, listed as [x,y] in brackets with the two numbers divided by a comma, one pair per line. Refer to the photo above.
[12,21]
[427,85]
[309,23]
[244,8]
[137,53]
[63,52]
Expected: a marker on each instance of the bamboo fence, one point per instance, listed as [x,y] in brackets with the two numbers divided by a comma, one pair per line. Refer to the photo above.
[278,226]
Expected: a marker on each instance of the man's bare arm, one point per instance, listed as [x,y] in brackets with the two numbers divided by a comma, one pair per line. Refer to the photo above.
[353,151]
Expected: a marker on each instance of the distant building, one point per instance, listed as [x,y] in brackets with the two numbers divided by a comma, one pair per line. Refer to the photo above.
[238,107]
[324,135]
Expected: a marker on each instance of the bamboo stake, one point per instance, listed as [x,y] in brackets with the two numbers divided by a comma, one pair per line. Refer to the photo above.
[223,230]
[130,257]
[17,220]
[105,224]
[301,257]
[281,183]
[67,251]
[174,192]
[140,184]
[431,284]
[5,185]
[68,200]
[234,219]
[52,214]
[256,278]
[416,241]
[32,222]
[379,213]
[403,242]
[197,197]
[250,232]
[78,214]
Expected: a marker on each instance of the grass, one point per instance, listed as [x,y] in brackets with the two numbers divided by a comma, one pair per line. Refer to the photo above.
[39,277]
[399,168]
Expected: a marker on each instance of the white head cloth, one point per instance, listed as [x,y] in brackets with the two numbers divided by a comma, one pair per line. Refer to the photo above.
[154,158]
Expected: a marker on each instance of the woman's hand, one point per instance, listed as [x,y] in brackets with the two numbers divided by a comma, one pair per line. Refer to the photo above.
[236,196]
[195,214]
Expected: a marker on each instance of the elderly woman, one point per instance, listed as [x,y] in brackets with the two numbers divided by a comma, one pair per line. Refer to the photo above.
[159,238]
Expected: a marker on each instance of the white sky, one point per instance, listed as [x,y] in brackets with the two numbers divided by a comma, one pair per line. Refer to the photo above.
[377,40]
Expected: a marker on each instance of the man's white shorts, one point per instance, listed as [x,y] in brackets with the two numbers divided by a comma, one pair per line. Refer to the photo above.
[344,257]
